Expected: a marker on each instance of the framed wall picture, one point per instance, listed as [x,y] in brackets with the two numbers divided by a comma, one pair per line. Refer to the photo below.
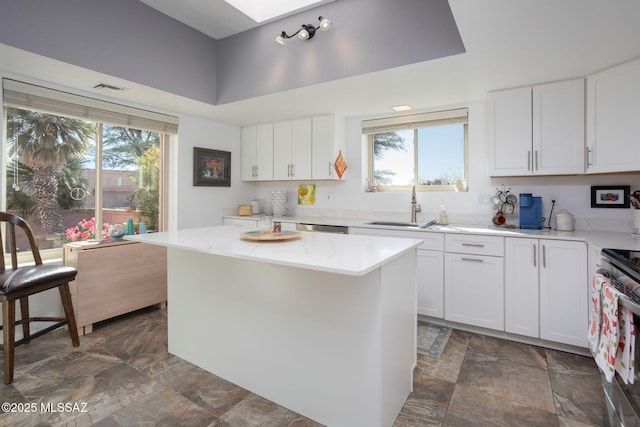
[610,196]
[211,168]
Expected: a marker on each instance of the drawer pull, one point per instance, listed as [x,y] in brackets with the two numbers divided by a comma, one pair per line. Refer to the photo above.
[474,245]
[472,259]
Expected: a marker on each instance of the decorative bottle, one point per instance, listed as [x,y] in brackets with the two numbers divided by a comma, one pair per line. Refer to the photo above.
[443,218]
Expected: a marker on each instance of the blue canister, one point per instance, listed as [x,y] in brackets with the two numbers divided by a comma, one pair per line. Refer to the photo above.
[129,228]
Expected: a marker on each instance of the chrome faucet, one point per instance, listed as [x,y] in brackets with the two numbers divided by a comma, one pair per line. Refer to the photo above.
[415,206]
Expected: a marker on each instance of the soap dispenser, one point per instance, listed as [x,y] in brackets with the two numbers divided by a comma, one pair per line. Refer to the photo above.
[443,218]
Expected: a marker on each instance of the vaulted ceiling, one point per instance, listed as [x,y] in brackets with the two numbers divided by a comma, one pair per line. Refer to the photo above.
[508,43]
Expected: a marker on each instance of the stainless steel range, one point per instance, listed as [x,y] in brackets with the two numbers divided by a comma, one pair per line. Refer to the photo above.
[622,268]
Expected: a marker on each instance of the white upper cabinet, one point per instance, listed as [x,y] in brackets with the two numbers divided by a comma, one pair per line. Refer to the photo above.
[613,112]
[329,134]
[537,130]
[256,151]
[300,149]
[509,132]
[292,149]
[558,128]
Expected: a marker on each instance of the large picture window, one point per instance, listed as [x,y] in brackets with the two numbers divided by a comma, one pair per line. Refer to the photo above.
[75,166]
[425,150]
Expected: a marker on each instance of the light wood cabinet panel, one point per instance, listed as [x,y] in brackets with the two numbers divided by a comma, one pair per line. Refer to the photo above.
[115,278]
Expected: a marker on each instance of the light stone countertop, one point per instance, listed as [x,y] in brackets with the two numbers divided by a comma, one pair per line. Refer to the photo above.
[334,253]
[598,239]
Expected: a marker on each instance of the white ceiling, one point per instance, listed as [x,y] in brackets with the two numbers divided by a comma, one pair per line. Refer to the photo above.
[509,43]
[216,18]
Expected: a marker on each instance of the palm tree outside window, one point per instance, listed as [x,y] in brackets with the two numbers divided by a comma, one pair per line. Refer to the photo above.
[72,178]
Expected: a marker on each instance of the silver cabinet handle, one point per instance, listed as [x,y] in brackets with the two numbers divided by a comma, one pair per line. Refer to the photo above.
[288,170]
[472,259]
[474,245]
[589,162]
[544,256]
[256,171]
[535,250]
[536,159]
[293,170]
[329,168]
[528,160]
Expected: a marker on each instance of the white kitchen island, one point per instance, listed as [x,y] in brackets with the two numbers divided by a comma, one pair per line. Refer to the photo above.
[324,325]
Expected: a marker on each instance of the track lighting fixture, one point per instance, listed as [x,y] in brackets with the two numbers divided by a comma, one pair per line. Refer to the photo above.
[306,31]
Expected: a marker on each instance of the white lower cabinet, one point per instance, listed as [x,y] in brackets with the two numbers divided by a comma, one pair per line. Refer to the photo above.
[474,280]
[474,290]
[430,267]
[546,289]
[431,283]
[521,293]
[249,221]
[564,292]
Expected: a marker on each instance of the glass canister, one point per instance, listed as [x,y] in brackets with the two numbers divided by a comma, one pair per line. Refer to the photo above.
[279,202]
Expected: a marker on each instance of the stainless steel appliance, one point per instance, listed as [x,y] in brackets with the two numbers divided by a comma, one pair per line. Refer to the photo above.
[622,268]
[325,228]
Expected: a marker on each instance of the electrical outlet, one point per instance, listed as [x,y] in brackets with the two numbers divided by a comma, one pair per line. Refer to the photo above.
[556,197]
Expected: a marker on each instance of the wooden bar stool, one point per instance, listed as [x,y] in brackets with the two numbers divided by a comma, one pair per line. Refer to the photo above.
[17,283]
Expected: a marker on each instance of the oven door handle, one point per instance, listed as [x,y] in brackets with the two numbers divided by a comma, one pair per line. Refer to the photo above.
[624,300]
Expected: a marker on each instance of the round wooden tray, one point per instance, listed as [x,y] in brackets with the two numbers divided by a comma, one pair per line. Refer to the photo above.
[269,236]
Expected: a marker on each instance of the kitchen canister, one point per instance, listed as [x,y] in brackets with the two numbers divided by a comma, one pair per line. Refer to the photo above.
[564,221]
[255,206]
[279,202]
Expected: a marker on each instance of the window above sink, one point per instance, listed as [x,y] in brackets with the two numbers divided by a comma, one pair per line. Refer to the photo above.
[429,150]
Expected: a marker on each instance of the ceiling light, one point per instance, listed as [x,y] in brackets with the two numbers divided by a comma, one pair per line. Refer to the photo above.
[306,31]
[402,108]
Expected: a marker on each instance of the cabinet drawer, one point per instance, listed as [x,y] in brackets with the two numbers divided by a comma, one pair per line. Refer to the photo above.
[430,240]
[238,221]
[474,244]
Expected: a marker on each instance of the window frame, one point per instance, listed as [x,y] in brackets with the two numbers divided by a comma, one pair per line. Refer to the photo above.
[415,122]
[21,95]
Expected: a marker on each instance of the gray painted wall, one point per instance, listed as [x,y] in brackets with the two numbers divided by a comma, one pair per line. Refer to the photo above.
[129,40]
[366,36]
[123,38]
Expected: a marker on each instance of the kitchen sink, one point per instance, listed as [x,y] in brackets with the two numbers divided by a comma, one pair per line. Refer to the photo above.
[403,224]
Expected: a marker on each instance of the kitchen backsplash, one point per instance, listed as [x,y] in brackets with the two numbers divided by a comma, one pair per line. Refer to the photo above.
[598,224]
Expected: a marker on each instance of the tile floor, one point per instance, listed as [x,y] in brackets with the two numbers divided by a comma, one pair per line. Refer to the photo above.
[122,375]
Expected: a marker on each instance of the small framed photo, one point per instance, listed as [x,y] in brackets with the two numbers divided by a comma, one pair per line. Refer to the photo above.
[211,168]
[610,196]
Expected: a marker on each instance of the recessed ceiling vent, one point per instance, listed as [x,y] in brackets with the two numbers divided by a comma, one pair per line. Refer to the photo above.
[109,87]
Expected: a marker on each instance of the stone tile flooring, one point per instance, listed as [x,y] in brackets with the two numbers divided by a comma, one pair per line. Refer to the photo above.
[122,375]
